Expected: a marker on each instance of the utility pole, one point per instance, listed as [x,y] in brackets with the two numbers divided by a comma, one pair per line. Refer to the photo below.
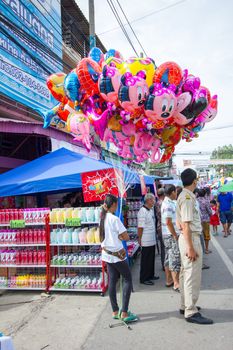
[92,24]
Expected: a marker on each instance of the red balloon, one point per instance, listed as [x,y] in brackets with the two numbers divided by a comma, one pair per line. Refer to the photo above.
[88,72]
[168,73]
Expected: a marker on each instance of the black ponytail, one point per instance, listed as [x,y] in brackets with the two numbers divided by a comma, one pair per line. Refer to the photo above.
[108,202]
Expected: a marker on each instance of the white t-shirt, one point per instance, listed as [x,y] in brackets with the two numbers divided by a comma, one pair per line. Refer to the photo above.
[168,210]
[146,220]
[113,227]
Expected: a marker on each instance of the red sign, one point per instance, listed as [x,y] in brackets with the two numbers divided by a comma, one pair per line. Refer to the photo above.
[97,184]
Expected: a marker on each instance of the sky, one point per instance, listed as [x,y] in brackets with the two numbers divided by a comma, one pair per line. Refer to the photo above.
[195,34]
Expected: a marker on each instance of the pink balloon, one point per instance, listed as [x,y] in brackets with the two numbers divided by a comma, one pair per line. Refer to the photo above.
[133,91]
[79,125]
[210,112]
[109,83]
[160,104]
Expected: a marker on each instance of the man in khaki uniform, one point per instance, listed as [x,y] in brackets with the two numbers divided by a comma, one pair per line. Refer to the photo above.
[189,222]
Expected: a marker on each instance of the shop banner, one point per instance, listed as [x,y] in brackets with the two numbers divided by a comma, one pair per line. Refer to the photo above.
[143,185]
[97,184]
[25,56]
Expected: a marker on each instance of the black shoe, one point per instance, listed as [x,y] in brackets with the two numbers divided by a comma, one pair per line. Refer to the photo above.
[155,278]
[148,283]
[199,319]
[205,267]
[182,311]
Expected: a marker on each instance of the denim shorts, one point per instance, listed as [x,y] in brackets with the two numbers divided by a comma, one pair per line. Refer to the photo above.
[226,217]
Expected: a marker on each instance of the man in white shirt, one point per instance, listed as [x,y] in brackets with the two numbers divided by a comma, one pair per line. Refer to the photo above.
[147,240]
[170,237]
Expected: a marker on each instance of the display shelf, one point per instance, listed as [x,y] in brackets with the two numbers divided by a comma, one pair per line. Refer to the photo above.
[74,245]
[23,245]
[82,223]
[26,224]
[78,266]
[54,289]
[22,288]
[16,266]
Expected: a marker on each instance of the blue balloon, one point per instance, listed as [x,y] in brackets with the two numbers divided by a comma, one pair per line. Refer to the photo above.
[47,115]
[96,54]
[72,87]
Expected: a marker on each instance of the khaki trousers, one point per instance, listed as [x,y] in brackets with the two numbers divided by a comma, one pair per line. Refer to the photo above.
[190,276]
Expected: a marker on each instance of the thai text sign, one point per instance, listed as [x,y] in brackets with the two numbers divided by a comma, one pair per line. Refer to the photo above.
[29,37]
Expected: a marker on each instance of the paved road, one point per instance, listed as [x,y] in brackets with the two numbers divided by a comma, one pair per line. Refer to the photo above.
[80,322]
[162,327]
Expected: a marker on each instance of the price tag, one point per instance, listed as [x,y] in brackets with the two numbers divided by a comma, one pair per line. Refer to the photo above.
[73,222]
[17,223]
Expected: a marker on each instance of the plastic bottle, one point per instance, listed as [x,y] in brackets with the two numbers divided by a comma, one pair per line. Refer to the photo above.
[83,236]
[30,257]
[43,236]
[90,236]
[35,257]
[75,236]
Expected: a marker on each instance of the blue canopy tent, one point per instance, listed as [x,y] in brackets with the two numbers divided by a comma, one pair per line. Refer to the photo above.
[56,171]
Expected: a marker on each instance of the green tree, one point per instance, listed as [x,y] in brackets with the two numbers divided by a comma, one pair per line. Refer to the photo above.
[224,152]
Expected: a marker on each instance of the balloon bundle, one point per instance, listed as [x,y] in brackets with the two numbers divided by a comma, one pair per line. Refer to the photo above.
[143,109]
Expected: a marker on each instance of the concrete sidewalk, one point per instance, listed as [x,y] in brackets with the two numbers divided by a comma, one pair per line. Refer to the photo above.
[81,321]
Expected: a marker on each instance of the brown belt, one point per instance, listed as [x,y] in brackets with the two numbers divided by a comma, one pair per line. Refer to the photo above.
[121,254]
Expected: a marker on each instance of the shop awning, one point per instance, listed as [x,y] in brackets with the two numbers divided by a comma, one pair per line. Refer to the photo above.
[58,170]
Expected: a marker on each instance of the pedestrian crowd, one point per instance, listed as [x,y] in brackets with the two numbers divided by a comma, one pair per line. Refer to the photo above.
[177,223]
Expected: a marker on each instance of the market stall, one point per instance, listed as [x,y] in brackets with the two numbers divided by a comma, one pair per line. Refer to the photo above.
[48,256]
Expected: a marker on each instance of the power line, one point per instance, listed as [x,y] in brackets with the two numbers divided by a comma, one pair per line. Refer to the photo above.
[131,27]
[218,127]
[148,15]
[112,6]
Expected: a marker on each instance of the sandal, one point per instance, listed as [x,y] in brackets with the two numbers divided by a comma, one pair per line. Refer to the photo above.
[169,285]
[130,318]
[117,316]
[176,290]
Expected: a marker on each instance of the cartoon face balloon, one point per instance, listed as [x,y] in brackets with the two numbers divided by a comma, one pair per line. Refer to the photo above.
[133,91]
[55,83]
[160,103]
[109,83]
[79,125]
[88,72]
[72,86]
[211,111]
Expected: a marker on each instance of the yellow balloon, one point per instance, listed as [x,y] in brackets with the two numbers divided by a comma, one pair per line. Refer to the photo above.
[135,64]
[118,63]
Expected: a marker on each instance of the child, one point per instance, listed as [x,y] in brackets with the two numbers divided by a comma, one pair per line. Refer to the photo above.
[214,219]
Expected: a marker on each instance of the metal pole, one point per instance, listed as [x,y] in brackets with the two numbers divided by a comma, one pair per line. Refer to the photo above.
[92,24]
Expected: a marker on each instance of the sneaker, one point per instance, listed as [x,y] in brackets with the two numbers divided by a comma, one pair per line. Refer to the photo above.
[130,318]
[182,311]
[199,319]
